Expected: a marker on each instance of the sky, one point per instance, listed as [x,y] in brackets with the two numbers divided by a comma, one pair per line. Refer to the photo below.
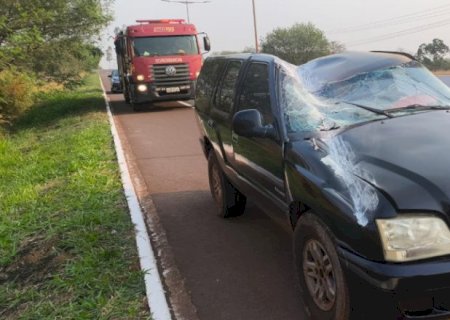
[358,24]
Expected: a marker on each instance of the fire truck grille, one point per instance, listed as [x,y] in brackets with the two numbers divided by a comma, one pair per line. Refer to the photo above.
[164,78]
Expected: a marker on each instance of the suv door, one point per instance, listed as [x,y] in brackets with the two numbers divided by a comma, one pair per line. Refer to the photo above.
[259,160]
[222,108]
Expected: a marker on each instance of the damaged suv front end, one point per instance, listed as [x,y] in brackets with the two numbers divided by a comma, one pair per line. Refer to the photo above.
[368,151]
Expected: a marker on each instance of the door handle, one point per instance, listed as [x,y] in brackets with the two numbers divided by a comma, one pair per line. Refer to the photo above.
[210,123]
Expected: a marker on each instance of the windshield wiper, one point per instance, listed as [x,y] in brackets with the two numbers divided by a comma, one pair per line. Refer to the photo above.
[416,106]
[374,110]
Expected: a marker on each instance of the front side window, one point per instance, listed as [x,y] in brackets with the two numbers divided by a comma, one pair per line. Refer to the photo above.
[165,46]
[255,92]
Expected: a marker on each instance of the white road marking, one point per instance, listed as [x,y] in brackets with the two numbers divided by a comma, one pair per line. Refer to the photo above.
[185,104]
[156,297]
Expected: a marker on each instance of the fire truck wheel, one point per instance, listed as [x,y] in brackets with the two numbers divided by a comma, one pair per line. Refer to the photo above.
[136,106]
[126,93]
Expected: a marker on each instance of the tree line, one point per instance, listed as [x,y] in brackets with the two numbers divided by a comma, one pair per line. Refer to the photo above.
[303,42]
[56,41]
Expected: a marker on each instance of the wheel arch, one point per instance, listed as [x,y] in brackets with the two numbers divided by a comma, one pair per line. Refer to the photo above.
[296,210]
[206,146]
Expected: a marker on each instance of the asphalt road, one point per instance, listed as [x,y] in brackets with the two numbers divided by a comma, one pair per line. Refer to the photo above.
[238,268]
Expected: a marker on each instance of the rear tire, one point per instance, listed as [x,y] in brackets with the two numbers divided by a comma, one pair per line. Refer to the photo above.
[322,281]
[230,201]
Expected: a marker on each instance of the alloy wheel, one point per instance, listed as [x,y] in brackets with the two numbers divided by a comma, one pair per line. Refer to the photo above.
[319,275]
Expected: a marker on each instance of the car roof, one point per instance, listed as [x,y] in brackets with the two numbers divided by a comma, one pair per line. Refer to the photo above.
[245,56]
[342,66]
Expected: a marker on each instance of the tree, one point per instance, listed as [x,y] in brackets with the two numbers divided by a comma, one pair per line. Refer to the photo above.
[336,47]
[224,53]
[249,49]
[433,54]
[297,44]
[54,38]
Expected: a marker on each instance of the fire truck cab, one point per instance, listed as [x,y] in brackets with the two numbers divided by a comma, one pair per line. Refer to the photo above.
[159,60]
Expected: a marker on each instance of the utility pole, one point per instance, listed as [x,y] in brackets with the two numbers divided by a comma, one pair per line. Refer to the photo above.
[187,3]
[254,25]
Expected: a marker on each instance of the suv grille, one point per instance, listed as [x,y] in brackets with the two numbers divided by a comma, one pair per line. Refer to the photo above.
[181,76]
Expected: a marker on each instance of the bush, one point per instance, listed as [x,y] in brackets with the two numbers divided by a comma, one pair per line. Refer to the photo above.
[16,94]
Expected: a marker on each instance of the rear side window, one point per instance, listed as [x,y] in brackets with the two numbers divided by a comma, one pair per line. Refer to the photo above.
[255,93]
[225,95]
[206,82]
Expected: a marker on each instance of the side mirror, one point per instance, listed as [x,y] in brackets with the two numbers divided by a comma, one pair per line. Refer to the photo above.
[109,76]
[248,123]
[207,43]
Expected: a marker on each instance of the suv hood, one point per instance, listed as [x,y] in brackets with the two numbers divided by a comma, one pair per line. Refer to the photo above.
[407,158]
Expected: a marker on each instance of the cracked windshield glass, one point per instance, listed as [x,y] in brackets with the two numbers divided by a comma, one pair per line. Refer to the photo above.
[311,103]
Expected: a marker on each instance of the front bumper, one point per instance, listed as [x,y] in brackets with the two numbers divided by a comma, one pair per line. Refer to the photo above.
[418,290]
[155,93]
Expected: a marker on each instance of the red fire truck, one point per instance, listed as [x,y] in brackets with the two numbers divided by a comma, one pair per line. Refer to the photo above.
[159,60]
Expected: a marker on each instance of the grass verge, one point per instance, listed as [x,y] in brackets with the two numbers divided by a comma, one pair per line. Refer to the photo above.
[67,247]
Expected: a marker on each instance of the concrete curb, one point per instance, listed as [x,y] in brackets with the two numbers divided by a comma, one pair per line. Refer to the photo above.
[157,301]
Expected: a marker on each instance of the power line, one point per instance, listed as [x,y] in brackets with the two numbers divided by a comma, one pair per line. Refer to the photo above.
[432,12]
[396,23]
[400,33]
[394,19]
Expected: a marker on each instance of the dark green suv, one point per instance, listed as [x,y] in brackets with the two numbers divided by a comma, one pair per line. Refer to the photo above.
[353,150]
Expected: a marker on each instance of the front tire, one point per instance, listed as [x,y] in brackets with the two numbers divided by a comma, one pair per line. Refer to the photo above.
[319,271]
[231,202]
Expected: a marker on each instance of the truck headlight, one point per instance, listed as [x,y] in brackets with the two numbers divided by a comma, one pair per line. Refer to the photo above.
[414,238]
[140,77]
[142,88]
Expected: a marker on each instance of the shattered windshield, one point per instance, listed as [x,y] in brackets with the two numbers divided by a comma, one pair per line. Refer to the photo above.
[306,111]
[310,104]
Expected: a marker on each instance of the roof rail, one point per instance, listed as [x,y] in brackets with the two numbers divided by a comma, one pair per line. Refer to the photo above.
[178,21]
[396,52]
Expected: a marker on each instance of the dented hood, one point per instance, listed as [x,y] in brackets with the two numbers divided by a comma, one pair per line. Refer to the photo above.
[407,158]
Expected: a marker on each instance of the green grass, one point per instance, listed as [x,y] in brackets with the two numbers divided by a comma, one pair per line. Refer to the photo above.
[67,248]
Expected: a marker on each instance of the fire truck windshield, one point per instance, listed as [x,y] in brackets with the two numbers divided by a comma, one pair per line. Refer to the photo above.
[165,46]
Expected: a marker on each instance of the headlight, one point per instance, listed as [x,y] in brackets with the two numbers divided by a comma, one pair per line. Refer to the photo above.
[142,88]
[413,238]
[197,74]
[140,77]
